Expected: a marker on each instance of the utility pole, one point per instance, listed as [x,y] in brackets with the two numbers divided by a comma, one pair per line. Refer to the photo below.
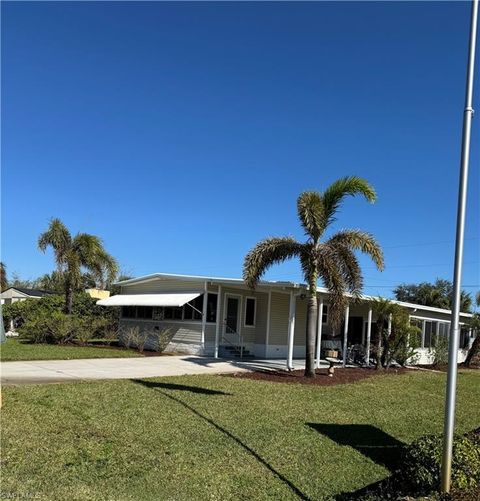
[449,424]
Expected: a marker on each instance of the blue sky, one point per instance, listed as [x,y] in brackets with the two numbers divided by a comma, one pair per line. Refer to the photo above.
[182,133]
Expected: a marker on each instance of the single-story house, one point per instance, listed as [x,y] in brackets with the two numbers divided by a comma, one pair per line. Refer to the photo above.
[223,317]
[14,294]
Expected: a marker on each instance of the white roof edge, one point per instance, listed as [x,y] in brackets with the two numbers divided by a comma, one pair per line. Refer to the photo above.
[272,283]
[240,281]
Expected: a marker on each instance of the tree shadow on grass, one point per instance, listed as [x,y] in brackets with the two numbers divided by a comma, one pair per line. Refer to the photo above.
[159,386]
[179,387]
[369,440]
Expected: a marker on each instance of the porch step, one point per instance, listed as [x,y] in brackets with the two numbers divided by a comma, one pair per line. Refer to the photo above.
[235,352]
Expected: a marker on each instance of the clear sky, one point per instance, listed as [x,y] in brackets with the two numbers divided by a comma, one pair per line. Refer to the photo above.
[182,133]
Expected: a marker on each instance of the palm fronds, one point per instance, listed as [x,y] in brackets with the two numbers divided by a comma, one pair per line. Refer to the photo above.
[311,213]
[346,186]
[267,253]
[361,241]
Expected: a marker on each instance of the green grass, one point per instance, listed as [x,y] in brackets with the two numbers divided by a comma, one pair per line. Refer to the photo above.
[214,437]
[14,349]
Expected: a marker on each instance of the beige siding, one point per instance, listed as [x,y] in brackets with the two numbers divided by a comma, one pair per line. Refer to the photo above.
[279,318]
[300,321]
[250,334]
[161,285]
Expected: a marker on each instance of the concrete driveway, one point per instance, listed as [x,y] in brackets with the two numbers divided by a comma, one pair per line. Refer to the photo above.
[54,371]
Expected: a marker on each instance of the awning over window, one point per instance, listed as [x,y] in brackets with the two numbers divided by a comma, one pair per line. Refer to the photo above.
[173,299]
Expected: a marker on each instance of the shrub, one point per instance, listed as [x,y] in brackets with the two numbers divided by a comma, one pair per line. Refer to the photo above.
[62,328]
[110,334]
[85,330]
[422,460]
[129,334]
[30,316]
[439,352]
[138,339]
[50,327]
[163,337]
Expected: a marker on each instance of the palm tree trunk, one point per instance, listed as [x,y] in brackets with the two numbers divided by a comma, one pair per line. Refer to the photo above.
[378,350]
[68,296]
[311,333]
[473,357]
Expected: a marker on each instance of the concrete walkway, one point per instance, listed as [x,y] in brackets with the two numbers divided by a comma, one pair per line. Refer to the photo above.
[54,371]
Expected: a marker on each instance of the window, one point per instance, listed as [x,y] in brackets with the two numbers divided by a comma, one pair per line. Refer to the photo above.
[325,314]
[193,310]
[145,312]
[430,334]
[212,307]
[464,337]
[173,312]
[250,307]
[141,312]
[129,312]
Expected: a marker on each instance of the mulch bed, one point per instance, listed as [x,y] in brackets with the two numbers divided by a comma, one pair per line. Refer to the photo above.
[444,367]
[341,376]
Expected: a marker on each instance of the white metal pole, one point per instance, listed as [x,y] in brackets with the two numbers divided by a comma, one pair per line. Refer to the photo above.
[449,425]
[291,330]
[319,333]
[217,320]
[345,335]
[369,335]
[204,314]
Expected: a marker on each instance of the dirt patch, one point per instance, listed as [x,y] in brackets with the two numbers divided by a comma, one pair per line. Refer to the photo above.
[341,376]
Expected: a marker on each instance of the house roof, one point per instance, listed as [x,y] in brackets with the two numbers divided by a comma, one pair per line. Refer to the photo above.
[30,292]
[270,283]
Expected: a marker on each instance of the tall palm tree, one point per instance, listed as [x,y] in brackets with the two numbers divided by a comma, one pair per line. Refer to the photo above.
[3,276]
[72,253]
[333,260]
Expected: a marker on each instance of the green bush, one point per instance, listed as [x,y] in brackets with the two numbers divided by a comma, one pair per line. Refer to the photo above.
[32,315]
[440,351]
[422,460]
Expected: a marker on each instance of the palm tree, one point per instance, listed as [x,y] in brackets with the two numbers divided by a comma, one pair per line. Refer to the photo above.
[74,253]
[332,260]
[3,277]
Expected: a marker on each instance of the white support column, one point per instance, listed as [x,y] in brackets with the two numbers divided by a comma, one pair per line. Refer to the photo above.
[267,333]
[369,335]
[423,334]
[291,330]
[470,338]
[437,333]
[319,333]
[204,313]
[218,320]
[345,335]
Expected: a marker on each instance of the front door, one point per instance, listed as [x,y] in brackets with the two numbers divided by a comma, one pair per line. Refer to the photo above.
[232,314]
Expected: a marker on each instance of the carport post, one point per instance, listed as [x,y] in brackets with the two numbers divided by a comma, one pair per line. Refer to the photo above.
[345,335]
[369,335]
[319,333]
[204,314]
[291,330]
[217,320]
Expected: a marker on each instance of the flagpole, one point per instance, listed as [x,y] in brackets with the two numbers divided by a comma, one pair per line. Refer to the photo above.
[449,424]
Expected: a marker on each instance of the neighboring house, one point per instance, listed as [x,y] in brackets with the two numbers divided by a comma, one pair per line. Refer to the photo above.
[98,293]
[14,294]
[221,316]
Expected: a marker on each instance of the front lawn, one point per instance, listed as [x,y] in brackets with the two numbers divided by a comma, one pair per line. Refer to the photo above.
[217,437]
[15,349]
